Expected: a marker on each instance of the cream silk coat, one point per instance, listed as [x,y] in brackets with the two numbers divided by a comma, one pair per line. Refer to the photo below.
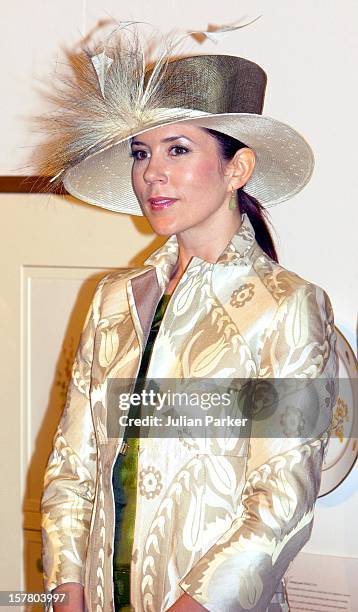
[221,522]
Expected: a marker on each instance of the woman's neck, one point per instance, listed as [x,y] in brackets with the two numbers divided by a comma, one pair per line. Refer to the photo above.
[207,247]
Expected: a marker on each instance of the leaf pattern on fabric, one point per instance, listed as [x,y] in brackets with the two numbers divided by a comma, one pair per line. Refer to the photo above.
[292,347]
[221,474]
[109,344]
[186,295]
[194,522]
[250,588]
[205,363]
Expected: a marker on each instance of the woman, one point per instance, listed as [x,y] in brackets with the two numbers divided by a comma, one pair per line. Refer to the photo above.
[221,518]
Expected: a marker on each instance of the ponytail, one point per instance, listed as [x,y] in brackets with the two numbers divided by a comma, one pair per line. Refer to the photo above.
[247,203]
[257,213]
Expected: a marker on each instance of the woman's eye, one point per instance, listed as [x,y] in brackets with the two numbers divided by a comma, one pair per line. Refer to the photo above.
[139,154]
[177,150]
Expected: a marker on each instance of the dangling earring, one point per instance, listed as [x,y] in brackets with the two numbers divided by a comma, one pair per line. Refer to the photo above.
[233,201]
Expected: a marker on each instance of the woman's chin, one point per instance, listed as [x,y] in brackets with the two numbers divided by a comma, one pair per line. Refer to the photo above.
[163,227]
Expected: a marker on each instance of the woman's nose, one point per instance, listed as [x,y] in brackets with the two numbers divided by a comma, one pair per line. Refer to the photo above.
[155,170]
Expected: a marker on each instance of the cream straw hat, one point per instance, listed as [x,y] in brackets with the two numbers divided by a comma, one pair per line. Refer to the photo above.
[115,96]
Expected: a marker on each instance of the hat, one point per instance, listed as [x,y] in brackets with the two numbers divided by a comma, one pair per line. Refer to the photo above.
[115,96]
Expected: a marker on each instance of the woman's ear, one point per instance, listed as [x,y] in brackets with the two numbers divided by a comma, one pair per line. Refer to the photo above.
[241,167]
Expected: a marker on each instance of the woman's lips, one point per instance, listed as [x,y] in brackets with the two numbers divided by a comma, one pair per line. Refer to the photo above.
[160,203]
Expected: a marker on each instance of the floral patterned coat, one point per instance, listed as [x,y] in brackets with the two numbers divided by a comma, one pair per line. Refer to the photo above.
[223,521]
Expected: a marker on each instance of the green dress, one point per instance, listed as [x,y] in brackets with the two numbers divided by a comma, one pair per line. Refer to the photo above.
[124,483]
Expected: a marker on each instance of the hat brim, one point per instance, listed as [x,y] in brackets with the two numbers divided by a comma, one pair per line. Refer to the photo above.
[284,163]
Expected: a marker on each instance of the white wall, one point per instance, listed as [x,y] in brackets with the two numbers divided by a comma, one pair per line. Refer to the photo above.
[309,51]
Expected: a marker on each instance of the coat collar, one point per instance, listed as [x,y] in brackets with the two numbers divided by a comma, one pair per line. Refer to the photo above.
[165,258]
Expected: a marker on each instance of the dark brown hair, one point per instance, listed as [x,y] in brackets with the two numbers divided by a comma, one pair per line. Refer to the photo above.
[257,213]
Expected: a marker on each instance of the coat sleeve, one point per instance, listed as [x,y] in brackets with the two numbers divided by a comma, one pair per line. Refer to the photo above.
[243,569]
[70,476]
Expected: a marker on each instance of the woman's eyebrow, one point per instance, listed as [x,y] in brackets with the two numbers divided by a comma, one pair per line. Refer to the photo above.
[168,139]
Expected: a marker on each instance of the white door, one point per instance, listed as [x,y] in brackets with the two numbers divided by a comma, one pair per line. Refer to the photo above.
[53,253]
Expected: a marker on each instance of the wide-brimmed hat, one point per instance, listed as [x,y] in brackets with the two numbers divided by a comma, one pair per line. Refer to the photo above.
[115,97]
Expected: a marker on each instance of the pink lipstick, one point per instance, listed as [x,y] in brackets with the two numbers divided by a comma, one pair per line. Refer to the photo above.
[158,203]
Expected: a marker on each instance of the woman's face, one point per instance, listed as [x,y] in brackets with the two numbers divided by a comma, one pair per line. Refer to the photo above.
[179,178]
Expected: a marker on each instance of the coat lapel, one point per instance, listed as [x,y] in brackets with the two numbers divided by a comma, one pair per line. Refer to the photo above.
[145,288]
[203,287]
[146,293]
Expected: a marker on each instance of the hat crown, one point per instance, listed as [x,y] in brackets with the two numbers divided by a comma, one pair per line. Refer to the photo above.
[213,84]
